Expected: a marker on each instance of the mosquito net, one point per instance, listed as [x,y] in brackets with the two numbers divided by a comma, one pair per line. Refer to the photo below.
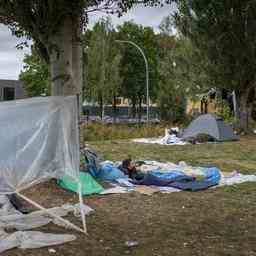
[39,141]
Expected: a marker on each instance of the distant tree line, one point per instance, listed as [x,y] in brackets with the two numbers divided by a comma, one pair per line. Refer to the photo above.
[213,46]
[118,70]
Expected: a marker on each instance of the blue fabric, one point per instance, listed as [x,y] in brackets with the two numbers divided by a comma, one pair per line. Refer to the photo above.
[175,179]
[212,178]
[164,179]
[110,173]
[92,170]
[182,181]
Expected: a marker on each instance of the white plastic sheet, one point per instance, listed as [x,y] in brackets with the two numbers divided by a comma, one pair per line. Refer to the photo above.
[13,219]
[236,178]
[32,240]
[168,139]
[39,140]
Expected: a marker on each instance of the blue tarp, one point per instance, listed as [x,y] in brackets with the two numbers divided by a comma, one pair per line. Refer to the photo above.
[175,179]
[110,173]
[182,181]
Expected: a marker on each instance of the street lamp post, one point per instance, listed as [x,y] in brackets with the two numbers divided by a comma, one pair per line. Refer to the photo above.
[147,71]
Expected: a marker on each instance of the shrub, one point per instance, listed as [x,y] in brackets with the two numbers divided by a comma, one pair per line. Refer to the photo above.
[97,131]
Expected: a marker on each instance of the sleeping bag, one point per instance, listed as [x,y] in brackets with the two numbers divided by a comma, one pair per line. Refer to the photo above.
[180,180]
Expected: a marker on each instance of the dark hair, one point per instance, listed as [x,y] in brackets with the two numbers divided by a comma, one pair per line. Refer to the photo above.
[126,163]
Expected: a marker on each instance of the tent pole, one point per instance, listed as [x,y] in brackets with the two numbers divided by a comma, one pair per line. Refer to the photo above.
[81,207]
[80,136]
[68,223]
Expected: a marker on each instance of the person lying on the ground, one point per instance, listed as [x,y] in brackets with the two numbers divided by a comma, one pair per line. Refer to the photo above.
[129,168]
[173,179]
[139,178]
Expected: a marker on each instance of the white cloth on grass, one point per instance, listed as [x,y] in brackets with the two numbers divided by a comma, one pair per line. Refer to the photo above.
[13,219]
[115,190]
[31,240]
[237,178]
[166,140]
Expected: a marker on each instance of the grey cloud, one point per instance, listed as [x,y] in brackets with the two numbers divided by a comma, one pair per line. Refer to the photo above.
[11,59]
[150,16]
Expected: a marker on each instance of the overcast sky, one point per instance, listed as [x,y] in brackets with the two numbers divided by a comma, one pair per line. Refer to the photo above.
[11,59]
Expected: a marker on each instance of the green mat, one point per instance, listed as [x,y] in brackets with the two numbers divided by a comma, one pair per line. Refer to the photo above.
[89,185]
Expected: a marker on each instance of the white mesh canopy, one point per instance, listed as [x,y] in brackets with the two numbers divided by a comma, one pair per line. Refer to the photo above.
[39,141]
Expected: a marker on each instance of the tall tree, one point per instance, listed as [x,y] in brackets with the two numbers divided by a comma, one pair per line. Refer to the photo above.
[56,28]
[115,79]
[190,65]
[133,65]
[36,75]
[225,31]
[103,72]
[183,72]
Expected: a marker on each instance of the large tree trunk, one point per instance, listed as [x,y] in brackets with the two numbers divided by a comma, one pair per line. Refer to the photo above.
[77,59]
[65,51]
[60,51]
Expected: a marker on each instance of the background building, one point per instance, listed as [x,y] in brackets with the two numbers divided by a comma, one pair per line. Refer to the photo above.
[11,90]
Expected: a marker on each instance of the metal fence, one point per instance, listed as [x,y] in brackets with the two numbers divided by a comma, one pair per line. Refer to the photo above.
[122,115]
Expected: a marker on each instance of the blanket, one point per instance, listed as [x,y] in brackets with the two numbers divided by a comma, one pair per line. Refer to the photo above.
[185,178]
[181,180]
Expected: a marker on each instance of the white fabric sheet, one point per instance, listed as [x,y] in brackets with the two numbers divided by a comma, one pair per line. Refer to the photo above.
[13,219]
[236,178]
[115,190]
[31,240]
[166,140]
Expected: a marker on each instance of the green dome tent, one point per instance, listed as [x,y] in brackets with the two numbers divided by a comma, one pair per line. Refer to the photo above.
[211,125]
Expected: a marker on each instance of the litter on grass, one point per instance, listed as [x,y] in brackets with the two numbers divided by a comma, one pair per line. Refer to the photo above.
[23,238]
[131,243]
[170,138]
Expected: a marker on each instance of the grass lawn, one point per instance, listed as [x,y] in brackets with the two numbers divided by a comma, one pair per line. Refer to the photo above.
[213,222]
[227,156]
